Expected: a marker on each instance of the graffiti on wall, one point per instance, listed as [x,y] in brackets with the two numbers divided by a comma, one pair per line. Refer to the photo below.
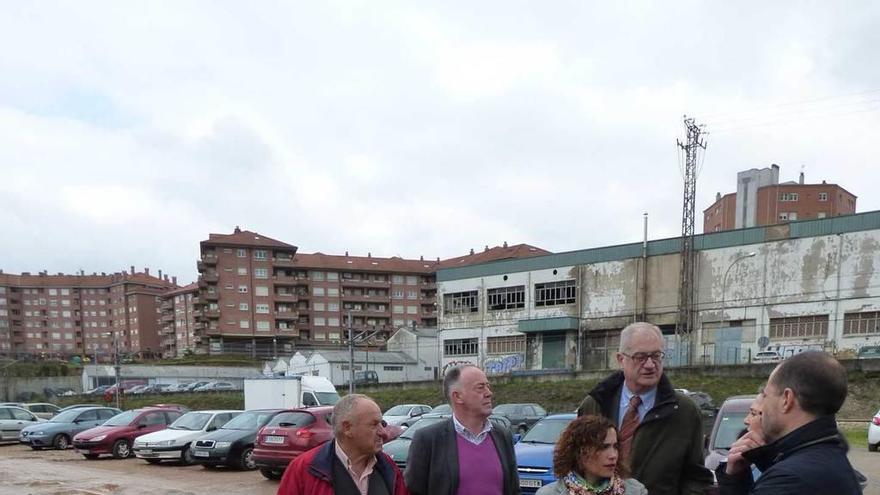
[452,364]
[505,364]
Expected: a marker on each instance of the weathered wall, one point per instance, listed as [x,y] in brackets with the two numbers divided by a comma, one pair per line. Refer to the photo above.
[11,387]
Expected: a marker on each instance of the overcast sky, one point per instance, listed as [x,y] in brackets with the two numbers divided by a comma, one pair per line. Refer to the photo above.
[130,130]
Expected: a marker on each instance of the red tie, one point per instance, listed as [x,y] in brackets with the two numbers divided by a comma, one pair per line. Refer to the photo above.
[628,427]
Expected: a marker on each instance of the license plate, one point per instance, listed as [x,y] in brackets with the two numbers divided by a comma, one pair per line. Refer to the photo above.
[530,483]
[201,453]
[274,439]
[83,451]
[145,451]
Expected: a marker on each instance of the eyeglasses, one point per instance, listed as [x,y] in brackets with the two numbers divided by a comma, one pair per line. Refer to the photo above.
[641,357]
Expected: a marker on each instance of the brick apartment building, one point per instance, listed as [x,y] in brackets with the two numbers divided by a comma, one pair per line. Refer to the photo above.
[761,200]
[63,315]
[259,295]
[177,320]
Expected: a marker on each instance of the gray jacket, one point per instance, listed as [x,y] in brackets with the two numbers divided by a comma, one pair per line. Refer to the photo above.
[631,485]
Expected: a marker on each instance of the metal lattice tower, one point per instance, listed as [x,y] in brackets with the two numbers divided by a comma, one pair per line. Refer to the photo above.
[685,324]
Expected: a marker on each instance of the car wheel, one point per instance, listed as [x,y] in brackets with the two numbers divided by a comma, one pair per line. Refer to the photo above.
[187,456]
[271,474]
[121,449]
[90,456]
[246,461]
[61,442]
[872,447]
[152,461]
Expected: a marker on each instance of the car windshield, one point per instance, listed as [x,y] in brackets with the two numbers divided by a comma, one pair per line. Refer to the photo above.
[123,419]
[250,420]
[398,411]
[191,421]
[418,425]
[66,416]
[327,398]
[505,409]
[729,428]
[546,431]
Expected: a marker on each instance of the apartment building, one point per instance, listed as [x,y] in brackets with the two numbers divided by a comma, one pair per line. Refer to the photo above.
[258,295]
[177,320]
[761,200]
[63,315]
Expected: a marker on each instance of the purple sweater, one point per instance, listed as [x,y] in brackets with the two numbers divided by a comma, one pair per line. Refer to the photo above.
[479,468]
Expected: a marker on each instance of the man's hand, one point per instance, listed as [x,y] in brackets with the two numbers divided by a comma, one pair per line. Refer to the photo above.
[736,463]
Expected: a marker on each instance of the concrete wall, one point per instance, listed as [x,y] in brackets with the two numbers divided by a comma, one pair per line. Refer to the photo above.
[11,387]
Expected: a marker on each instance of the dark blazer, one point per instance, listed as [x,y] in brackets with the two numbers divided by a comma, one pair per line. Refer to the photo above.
[432,464]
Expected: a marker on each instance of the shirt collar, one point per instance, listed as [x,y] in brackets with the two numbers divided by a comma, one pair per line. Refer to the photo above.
[346,461]
[474,437]
[647,397]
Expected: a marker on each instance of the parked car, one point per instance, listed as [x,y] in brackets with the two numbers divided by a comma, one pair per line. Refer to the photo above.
[194,385]
[215,387]
[116,435]
[13,420]
[137,389]
[173,443]
[869,352]
[233,443]
[156,388]
[99,390]
[77,406]
[398,449]
[289,434]
[521,416]
[177,387]
[874,433]
[442,409]
[399,414]
[727,429]
[59,431]
[767,357]
[534,451]
[177,407]
[42,409]
[364,377]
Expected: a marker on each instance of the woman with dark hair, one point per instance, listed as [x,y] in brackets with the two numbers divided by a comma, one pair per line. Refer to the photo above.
[586,461]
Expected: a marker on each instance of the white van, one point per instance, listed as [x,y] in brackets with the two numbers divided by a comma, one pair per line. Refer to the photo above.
[289,392]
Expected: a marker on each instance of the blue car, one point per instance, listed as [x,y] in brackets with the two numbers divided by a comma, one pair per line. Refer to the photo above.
[58,431]
[534,452]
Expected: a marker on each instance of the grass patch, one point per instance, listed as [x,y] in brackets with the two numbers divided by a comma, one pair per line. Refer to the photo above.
[856,434]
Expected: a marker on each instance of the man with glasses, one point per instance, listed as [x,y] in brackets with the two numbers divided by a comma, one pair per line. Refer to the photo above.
[659,430]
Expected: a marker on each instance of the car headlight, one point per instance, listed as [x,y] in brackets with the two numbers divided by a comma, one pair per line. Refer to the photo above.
[165,443]
[98,438]
[37,433]
[222,445]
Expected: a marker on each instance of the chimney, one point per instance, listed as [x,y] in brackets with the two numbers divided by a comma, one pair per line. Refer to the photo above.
[718,196]
[486,248]
[132,270]
[146,271]
[472,251]
[103,274]
[160,274]
[237,230]
[823,182]
[774,166]
[369,254]
[505,243]
[346,253]
[421,258]
[438,259]
[174,280]
[801,179]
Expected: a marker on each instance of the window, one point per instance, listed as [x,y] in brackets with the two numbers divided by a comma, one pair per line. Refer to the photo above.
[396,309]
[412,310]
[397,279]
[506,297]
[242,289]
[821,214]
[397,294]
[799,327]
[333,321]
[242,270]
[261,254]
[823,196]
[333,335]
[555,293]
[332,276]
[242,253]
[398,323]
[333,307]
[320,321]
[333,291]
[460,347]
[244,324]
[461,302]
[261,291]
[263,326]
[261,272]
[318,306]
[861,323]
[412,294]
[318,291]
[508,344]
[410,280]
[392,368]
[317,276]
[243,306]
[788,196]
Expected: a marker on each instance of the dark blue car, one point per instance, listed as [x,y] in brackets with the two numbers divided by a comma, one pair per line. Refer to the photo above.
[534,452]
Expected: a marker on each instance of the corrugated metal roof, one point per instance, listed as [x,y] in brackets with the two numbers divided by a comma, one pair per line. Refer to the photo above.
[741,237]
[380,357]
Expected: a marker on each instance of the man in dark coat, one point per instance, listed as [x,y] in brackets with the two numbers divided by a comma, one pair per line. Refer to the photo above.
[660,431]
[801,450]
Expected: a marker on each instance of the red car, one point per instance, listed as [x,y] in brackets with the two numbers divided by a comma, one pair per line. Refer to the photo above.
[116,436]
[289,434]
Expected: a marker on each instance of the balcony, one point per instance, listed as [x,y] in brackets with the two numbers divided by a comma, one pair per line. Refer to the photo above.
[167,305]
[287,279]
[196,300]
[283,261]
[167,317]
[210,296]
[428,286]
[364,298]
[209,259]
[351,282]
[210,277]
[286,296]
[286,315]
[206,313]
[369,313]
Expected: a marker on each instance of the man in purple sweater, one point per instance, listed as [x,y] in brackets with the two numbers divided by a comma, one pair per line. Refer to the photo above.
[464,455]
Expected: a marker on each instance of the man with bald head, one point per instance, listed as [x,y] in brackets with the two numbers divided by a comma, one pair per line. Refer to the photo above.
[353,462]
[659,430]
[465,455]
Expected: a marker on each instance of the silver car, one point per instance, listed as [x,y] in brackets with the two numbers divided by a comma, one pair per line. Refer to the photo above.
[12,420]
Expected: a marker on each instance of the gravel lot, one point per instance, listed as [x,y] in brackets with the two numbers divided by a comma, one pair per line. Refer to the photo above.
[52,472]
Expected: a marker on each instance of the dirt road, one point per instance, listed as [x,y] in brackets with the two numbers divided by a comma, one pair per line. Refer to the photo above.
[52,472]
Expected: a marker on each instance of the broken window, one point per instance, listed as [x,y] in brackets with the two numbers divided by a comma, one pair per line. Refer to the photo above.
[461,302]
[799,327]
[506,297]
[555,293]
[460,347]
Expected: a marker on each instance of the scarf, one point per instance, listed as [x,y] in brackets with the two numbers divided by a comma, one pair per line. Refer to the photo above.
[576,485]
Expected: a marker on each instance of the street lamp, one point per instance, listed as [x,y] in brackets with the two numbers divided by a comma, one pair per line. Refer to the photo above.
[724,284]
[116,365]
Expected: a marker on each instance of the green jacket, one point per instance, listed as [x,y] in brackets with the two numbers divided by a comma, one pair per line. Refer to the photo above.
[667,450]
